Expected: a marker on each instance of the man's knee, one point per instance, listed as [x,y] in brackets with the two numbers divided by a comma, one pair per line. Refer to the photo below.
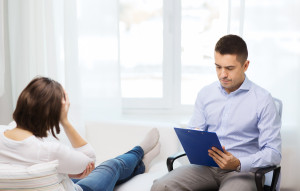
[238,181]
[178,179]
[159,185]
[169,182]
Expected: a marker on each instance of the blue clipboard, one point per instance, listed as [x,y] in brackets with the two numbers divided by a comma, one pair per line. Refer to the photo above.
[196,145]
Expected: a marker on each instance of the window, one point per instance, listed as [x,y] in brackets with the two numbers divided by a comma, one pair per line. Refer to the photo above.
[166,49]
[141,48]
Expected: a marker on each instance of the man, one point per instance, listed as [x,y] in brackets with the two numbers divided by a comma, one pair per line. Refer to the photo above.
[245,118]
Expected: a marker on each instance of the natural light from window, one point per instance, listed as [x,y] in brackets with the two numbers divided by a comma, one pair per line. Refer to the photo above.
[141,48]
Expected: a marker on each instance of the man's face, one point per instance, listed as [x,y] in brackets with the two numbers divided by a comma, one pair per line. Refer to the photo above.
[230,71]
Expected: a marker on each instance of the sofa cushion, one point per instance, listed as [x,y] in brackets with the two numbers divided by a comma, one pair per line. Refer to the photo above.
[41,176]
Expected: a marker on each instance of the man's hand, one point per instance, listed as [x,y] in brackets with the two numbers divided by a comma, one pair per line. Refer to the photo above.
[225,160]
[89,168]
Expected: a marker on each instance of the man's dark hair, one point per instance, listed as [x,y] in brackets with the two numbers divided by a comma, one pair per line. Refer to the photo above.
[233,44]
[39,107]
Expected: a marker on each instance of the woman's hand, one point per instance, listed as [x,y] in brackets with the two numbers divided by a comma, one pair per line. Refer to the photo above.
[89,168]
[74,137]
[65,105]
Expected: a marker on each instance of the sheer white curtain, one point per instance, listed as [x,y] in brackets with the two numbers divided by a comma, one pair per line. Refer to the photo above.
[36,41]
[75,45]
[2,59]
[43,42]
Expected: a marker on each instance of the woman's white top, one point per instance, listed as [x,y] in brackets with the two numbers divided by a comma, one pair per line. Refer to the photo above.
[33,150]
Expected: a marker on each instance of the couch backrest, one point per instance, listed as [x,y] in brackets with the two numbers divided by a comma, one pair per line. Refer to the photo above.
[112,138]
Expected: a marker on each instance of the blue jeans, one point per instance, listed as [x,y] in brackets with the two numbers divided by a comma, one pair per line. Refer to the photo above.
[114,171]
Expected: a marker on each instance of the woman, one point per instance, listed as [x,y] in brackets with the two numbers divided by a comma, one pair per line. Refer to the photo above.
[41,106]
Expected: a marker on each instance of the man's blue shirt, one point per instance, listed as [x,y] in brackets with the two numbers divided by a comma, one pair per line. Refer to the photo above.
[246,122]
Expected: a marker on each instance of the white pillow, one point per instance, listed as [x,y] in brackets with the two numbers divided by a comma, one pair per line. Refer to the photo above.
[41,176]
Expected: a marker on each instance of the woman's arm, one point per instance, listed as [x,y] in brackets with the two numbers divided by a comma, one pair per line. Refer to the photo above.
[83,153]
[90,167]
[71,160]
[73,136]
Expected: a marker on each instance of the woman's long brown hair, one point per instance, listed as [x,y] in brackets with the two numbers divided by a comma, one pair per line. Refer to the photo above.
[39,107]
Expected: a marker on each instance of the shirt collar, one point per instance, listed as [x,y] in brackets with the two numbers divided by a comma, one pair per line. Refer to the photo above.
[246,84]
[244,87]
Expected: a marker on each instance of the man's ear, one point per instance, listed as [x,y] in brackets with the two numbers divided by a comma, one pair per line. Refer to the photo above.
[246,65]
